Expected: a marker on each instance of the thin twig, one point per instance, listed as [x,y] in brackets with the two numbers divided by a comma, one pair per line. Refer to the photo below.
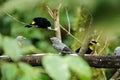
[103,73]
[50,12]
[70,34]
[68,19]
[98,37]
[103,46]
[15,19]
[117,73]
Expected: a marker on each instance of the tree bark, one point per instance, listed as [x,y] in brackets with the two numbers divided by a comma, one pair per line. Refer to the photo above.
[93,60]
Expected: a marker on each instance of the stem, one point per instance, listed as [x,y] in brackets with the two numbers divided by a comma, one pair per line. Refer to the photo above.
[57,24]
[68,20]
[51,14]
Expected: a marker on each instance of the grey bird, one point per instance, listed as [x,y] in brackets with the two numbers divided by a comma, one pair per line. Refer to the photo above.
[117,51]
[61,47]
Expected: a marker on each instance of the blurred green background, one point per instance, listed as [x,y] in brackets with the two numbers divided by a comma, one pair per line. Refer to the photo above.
[102,15]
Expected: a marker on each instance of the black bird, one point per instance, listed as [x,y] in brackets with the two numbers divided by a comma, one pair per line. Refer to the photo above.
[91,47]
[40,22]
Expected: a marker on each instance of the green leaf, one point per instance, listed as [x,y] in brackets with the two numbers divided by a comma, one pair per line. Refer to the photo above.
[26,77]
[28,71]
[80,66]
[9,5]
[44,76]
[56,67]
[9,71]
[11,48]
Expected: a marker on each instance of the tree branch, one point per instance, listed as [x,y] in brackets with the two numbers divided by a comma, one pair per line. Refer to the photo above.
[93,61]
[55,15]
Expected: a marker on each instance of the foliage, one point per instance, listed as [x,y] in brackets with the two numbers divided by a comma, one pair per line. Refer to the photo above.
[103,14]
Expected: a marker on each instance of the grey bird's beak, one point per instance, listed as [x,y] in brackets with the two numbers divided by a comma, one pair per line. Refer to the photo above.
[98,44]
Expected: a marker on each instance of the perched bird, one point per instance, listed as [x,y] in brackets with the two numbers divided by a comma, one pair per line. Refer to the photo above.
[91,47]
[26,45]
[22,41]
[40,22]
[61,47]
[64,49]
[117,51]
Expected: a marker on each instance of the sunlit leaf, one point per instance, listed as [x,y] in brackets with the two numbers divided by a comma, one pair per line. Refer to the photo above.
[9,71]
[28,71]
[56,67]
[78,65]
[11,48]
[12,5]
[26,77]
[44,76]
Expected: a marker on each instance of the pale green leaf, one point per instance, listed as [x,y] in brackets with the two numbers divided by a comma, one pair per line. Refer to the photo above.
[11,48]
[56,67]
[26,77]
[12,5]
[9,71]
[29,72]
[80,66]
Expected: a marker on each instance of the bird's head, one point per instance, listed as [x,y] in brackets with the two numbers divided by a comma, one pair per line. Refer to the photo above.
[55,40]
[92,44]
